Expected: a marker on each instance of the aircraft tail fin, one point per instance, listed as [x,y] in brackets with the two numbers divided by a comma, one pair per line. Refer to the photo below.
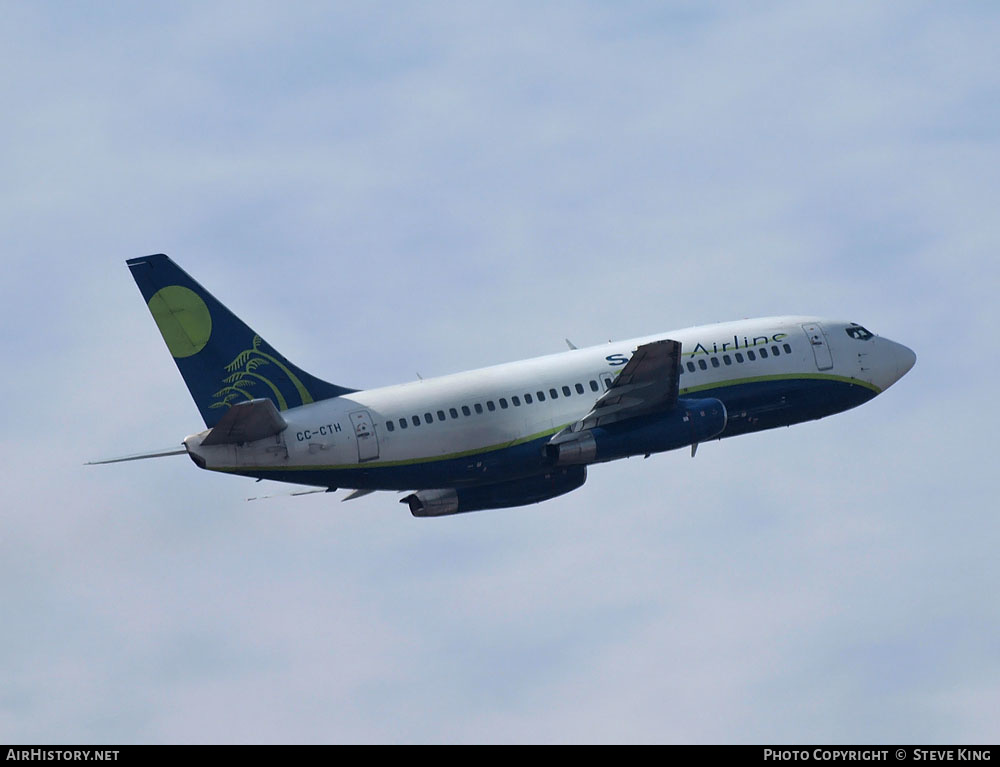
[222,360]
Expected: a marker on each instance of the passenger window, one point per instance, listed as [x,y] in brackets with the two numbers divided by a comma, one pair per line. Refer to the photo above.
[594,386]
[503,404]
[702,364]
[490,406]
[479,408]
[739,357]
[690,367]
[553,394]
[787,348]
[428,418]
[390,426]
[715,362]
[403,423]
[774,351]
[416,420]
[516,401]
[750,355]
[540,395]
[566,391]
[452,412]
[465,410]
[527,399]
[727,359]
[763,353]
[579,388]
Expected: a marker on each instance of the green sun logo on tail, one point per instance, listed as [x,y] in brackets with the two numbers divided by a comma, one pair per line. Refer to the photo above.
[244,377]
[183,319]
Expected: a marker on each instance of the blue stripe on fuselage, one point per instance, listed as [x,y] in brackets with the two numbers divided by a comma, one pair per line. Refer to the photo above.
[752,406]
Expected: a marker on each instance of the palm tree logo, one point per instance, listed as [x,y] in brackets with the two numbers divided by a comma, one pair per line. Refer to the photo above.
[243,377]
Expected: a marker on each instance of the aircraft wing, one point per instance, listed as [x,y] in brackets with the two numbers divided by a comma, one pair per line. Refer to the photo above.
[246,422]
[647,384]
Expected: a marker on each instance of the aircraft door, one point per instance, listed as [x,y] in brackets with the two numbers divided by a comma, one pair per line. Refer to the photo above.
[364,433]
[820,347]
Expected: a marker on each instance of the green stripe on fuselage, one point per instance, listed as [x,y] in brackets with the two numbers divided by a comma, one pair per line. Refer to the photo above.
[547,432]
[406,462]
[780,377]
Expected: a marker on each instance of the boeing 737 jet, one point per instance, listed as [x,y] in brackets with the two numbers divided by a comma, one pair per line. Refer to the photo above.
[508,435]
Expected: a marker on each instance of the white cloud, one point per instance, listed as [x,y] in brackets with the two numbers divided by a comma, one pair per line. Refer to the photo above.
[378,192]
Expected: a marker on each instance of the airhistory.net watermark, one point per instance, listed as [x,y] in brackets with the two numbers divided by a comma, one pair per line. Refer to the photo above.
[59,755]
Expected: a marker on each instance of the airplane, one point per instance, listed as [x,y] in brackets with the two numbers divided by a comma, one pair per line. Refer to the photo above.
[508,435]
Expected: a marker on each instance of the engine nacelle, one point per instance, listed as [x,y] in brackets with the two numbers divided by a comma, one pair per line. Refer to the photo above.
[518,492]
[690,422]
[433,503]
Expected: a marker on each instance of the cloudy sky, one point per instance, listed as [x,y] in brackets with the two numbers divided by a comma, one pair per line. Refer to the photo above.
[384,189]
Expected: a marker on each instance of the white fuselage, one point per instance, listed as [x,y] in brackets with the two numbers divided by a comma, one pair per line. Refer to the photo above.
[461,419]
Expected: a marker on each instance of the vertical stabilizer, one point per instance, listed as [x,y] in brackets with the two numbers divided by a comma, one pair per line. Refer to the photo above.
[222,360]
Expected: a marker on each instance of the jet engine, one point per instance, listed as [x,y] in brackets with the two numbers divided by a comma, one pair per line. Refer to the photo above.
[519,492]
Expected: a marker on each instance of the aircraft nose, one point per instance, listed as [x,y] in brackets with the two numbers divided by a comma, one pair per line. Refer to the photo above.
[905,359]
[899,360]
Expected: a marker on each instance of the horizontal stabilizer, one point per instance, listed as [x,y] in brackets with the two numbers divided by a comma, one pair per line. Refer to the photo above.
[246,422]
[139,456]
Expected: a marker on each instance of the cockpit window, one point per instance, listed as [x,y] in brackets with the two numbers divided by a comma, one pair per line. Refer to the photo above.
[858,333]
